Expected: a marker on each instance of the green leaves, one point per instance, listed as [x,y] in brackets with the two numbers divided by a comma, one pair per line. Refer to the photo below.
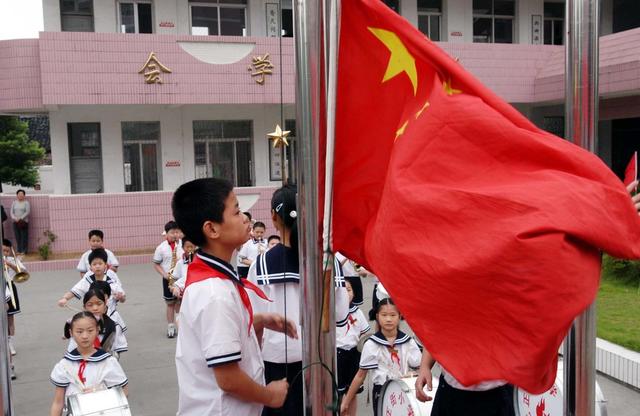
[19,154]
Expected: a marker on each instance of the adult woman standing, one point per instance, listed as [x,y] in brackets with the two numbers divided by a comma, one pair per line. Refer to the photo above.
[20,210]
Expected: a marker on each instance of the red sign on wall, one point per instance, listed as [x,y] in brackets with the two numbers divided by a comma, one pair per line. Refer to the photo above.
[172,164]
[167,24]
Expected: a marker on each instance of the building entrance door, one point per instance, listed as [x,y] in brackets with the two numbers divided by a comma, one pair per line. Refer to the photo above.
[140,165]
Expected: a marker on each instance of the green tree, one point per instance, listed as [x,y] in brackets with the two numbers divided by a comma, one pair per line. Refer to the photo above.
[19,154]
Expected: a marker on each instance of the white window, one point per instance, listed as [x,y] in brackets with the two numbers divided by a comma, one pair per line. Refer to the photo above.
[219,17]
[135,17]
[429,18]
[141,155]
[76,15]
[493,21]
[553,23]
[223,150]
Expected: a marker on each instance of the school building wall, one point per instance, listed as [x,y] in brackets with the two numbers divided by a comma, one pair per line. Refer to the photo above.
[130,221]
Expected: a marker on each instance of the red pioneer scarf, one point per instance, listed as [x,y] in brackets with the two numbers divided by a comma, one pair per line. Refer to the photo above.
[199,270]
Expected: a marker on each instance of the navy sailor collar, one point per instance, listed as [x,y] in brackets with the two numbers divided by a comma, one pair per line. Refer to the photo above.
[92,278]
[278,265]
[354,308]
[99,355]
[378,338]
[219,265]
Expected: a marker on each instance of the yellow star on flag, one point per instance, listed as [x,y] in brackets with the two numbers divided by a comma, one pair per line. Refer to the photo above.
[400,60]
[448,89]
[279,137]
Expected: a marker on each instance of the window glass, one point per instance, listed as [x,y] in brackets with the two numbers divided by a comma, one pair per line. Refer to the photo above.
[504,8]
[554,10]
[127,18]
[76,15]
[204,20]
[482,7]
[144,18]
[482,30]
[287,23]
[232,21]
[503,30]
[393,5]
[430,6]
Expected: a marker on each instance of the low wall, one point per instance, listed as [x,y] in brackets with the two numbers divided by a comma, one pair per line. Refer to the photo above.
[130,221]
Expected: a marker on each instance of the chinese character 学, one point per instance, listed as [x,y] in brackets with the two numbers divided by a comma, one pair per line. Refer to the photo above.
[260,66]
[152,70]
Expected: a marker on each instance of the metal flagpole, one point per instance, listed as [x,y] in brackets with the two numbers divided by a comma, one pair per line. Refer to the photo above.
[5,376]
[581,118]
[318,347]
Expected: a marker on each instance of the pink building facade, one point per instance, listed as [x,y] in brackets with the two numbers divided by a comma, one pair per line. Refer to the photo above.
[121,143]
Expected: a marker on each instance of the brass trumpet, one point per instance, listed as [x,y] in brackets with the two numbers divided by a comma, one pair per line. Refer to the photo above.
[171,280]
[21,275]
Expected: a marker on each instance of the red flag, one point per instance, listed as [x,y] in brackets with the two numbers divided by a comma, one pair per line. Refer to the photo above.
[484,229]
[631,172]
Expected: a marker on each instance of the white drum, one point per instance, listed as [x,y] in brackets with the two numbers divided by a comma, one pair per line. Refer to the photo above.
[551,402]
[398,397]
[108,402]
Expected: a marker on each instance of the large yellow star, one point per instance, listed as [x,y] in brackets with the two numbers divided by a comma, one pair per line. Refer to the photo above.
[400,60]
[279,137]
[448,89]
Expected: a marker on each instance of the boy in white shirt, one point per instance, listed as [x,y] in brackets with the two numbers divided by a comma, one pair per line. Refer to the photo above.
[165,260]
[251,249]
[96,240]
[218,360]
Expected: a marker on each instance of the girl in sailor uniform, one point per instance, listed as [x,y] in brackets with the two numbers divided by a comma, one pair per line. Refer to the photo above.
[277,273]
[110,335]
[180,273]
[86,368]
[347,338]
[389,354]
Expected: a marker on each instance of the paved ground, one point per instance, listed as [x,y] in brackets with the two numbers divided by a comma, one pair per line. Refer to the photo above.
[149,363]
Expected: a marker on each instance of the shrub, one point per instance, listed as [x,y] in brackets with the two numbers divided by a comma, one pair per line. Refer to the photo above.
[44,249]
[623,271]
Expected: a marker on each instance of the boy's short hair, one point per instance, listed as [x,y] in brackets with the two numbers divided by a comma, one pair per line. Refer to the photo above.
[186,239]
[98,253]
[7,243]
[248,214]
[97,233]
[171,225]
[198,201]
[273,237]
[259,224]
[102,286]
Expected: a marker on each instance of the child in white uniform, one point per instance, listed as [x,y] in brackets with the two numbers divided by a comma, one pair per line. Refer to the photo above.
[96,240]
[218,360]
[162,263]
[347,338]
[182,267]
[389,354]
[251,249]
[13,265]
[85,368]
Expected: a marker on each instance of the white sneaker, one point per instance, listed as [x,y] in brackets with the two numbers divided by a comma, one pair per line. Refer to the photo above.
[12,349]
[171,331]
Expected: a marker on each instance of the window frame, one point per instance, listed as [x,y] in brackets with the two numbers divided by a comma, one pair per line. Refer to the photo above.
[493,18]
[77,13]
[429,14]
[218,5]
[553,21]
[135,15]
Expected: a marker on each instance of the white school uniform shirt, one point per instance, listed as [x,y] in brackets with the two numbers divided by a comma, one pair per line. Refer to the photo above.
[117,343]
[17,262]
[83,265]
[83,285]
[162,255]
[214,330]
[101,368]
[251,249]
[376,357]
[347,336]
[180,274]
[276,272]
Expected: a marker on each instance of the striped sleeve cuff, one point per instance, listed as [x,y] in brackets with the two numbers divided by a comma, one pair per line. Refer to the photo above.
[342,322]
[367,329]
[59,384]
[223,359]
[76,295]
[369,367]
[124,383]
